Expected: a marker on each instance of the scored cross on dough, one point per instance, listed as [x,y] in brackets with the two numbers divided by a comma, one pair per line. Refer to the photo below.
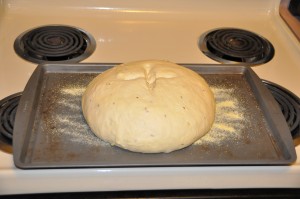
[148,74]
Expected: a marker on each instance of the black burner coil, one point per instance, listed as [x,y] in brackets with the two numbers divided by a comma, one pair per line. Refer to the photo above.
[289,104]
[8,109]
[54,44]
[236,46]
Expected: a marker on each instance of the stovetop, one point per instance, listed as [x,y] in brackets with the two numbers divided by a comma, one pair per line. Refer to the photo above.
[135,30]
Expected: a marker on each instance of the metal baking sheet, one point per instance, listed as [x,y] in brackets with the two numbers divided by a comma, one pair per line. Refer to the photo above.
[50,130]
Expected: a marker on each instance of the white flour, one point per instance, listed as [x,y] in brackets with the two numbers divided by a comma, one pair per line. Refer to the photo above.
[72,123]
[229,114]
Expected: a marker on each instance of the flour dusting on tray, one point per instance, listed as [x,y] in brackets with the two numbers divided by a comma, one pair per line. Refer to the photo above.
[70,123]
[229,121]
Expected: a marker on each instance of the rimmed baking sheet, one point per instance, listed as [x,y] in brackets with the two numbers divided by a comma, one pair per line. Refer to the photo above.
[50,130]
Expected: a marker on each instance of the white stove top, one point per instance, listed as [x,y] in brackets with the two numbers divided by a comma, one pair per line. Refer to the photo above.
[137,30]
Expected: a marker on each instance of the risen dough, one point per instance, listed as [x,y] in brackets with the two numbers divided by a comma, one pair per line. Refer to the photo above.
[149,106]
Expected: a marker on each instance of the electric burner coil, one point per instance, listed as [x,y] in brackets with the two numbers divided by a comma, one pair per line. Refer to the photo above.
[55,43]
[230,45]
[8,109]
[289,104]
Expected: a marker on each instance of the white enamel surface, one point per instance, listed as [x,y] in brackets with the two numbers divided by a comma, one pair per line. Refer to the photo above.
[135,30]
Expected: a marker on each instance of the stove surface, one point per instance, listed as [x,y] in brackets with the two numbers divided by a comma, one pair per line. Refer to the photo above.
[138,30]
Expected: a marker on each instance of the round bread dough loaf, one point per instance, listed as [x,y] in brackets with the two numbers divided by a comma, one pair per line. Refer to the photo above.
[149,106]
